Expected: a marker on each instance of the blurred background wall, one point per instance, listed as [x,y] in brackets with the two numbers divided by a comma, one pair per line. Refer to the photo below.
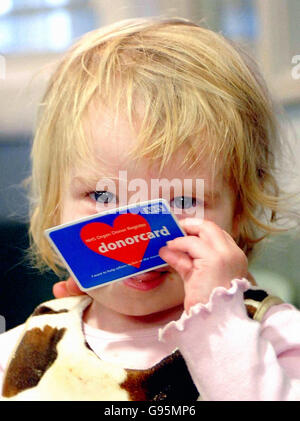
[34,34]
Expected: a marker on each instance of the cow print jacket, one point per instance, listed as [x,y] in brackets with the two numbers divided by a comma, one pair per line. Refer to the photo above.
[52,361]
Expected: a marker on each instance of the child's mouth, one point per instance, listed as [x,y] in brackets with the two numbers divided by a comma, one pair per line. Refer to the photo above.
[146,281]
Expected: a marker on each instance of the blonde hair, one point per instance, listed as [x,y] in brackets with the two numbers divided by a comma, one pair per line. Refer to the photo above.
[191,82]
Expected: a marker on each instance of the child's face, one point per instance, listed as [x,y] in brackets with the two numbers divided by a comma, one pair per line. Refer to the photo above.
[111,142]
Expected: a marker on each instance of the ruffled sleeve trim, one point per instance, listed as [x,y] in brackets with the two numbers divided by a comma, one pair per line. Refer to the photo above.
[221,299]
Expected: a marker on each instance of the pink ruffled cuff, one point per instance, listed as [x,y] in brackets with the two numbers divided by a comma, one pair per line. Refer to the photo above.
[222,305]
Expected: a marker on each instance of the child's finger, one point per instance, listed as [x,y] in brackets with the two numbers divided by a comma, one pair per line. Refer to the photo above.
[194,226]
[66,289]
[191,226]
[178,260]
[192,245]
[60,290]
[73,288]
[217,236]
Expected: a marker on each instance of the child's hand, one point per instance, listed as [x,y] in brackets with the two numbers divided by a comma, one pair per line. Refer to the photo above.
[66,289]
[206,258]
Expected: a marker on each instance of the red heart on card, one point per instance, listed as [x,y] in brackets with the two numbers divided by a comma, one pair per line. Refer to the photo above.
[102,238]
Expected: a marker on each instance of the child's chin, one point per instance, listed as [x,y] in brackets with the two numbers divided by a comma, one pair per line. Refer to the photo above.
[148,315]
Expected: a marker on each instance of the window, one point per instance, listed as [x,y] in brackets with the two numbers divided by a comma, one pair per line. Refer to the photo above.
[236,19]
[34,34]
[271,31]
[39,26]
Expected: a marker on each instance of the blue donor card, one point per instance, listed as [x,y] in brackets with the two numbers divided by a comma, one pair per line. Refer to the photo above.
[117,244]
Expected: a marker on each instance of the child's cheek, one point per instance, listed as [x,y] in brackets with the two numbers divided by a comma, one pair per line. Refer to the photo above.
[222,219]
[77,209]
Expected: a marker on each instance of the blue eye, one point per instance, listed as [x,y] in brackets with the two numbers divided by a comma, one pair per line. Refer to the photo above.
[103,196]
[184,202]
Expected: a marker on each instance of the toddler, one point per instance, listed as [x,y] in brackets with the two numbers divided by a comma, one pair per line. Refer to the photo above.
[167,99]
